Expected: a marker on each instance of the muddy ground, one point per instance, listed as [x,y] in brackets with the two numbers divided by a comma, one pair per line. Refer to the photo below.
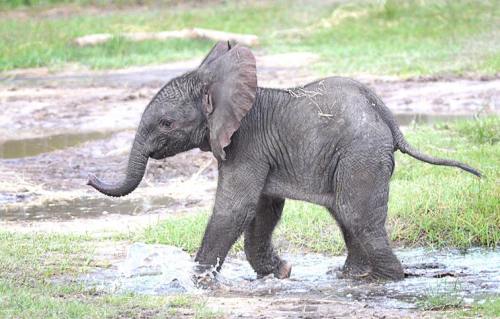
[57,128]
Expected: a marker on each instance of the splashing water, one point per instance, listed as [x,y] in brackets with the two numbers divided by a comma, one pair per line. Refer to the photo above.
[161,270]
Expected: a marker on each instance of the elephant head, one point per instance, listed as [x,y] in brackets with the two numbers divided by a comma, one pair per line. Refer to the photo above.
[202,108]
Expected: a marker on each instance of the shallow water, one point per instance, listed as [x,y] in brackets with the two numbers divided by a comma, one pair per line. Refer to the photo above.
[12,149]
[131,78]
[82,207]
[159,270]
[34,146]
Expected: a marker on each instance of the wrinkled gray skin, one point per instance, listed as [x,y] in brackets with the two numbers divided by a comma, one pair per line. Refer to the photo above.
[331,143]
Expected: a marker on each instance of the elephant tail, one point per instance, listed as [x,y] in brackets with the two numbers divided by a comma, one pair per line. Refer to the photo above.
[406,148]
[400,143]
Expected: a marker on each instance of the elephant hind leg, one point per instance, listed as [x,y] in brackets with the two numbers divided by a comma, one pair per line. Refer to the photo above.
[362,191]
[258,239]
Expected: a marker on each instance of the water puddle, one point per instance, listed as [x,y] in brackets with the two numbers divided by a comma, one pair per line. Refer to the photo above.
[35,146]
[82,207]
[133,78]
[158,270]
[130,78]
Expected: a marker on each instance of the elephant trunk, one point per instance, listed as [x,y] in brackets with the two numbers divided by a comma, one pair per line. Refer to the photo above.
[136,168]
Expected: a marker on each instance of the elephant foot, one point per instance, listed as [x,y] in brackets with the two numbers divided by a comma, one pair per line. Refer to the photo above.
[355,270]
[284,270]
[357,275]
[387,272]
[205,281]
[368,273]
[205,277]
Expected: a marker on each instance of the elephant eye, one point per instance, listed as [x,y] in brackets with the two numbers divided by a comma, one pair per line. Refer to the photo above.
[165,122]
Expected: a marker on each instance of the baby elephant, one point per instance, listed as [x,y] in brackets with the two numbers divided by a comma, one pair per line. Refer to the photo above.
[330,142]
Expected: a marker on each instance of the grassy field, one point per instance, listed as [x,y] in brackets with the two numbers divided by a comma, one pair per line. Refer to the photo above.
[404,38]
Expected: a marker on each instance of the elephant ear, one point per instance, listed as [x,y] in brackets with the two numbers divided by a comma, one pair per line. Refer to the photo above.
[230,88]
[219,49]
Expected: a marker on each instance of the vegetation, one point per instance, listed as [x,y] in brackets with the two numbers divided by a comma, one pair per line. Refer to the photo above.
[437,206]
[383,37]
[456,306]
[437,300]
[487,308]
[29,262]
[10,4]
[429,205]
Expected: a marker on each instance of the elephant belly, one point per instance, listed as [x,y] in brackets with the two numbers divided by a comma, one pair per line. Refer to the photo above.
[314,190]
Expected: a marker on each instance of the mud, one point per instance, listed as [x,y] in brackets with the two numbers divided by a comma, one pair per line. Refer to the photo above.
[465,276]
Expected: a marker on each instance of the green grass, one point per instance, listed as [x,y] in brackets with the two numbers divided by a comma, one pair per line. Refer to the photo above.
[455,307]
[30,262]
[441,302]
[409,38]
[23,257]
[486,131]
[429,205]
[399,38]
[489,308]
[185,232]
[435,299]
[304,227]
[47,42]
[439,206]
[38,4]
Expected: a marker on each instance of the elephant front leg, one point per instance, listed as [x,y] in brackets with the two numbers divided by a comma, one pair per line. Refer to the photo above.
[237,197]
[223,229]
[258,239]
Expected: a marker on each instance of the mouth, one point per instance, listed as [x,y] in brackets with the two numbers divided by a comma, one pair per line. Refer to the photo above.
[158,155]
